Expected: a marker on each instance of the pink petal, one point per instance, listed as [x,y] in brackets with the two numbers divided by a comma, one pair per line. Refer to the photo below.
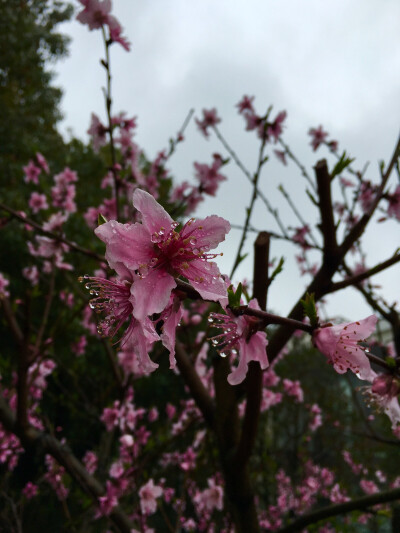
[208,232]
[154,215]
[361,329]
[205,277]
[169,332]
[129,244]
[239,374]
[152,293]
[140,339]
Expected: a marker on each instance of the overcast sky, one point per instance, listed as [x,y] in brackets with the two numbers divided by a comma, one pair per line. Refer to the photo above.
[324,62]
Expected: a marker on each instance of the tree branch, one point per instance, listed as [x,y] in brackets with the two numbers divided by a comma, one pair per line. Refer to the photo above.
[341,508]
[194,383]
[44,443]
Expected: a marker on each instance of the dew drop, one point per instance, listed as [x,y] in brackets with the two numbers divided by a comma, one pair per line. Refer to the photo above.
[210,319]
[214,342]
[92,305]
[193,240]
[223,354]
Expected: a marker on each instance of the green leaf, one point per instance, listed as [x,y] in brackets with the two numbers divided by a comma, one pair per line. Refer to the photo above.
[234,297]
[343,162]
[278,269]
[101,219]
[309,308]
[312,198]
[240,259]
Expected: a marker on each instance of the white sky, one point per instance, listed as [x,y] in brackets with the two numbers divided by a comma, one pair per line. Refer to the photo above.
[334,63]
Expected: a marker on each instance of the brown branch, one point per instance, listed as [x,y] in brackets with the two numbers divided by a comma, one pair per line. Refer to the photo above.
[192,380]
[359,504]
[354,280]
[43,443]
[358,228]
[253,382]
[55,236]
[12,321]
[328,229]
[269,318]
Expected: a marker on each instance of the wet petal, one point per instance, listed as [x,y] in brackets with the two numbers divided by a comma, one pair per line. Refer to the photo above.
[152,293]
[154,215]
[208,232]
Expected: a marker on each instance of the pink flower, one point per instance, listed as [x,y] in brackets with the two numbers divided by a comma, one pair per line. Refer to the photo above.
[340,344]
[393,209]
[148,494]
[98,132]
[90,461]
[30,490]
[240,335]
[366,196]
[42,162]
[293,388]
[246,104]
[318,136]
[211,498]
[31,274]
[116,300]
[384,394]
[115,33]
[299,236]
[95,14]
[31,173]
[37,202]
[208,176]
[3,287]
[154,252]
[281,156]
[275,129]
[210,118]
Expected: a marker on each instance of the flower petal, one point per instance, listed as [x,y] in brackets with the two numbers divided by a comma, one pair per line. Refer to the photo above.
[129,244]
[152,293]
[208,232]
[154,215]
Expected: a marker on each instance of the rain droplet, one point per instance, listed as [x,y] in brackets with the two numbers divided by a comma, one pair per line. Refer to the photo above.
[223,354]
[214,342]
[210,319]
[193,240]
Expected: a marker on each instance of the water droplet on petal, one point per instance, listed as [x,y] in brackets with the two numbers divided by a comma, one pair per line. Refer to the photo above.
[193,240]
[210,319]
[214,342]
